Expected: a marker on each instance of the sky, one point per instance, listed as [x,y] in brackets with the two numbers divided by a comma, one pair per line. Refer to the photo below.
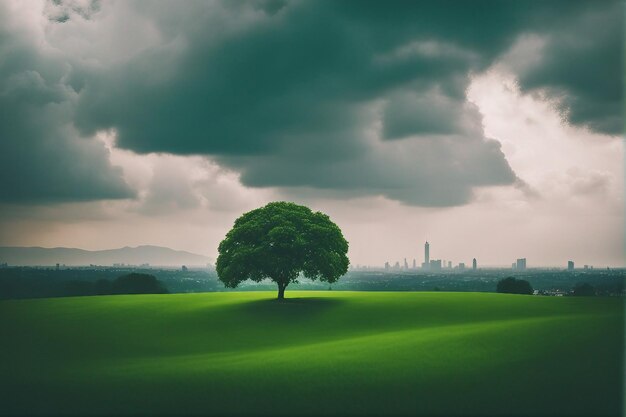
[492,129]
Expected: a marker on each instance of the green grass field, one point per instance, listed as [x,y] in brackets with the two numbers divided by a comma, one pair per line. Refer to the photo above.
[346,353]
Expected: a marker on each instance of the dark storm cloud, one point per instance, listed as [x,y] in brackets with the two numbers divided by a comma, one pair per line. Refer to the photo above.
[409,113]
[335,95]
[289,98]
[245,87]
[583,63]
[61,11]
[433,171]
[42,157]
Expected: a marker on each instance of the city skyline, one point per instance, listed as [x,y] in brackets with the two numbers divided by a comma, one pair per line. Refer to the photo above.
[429,264]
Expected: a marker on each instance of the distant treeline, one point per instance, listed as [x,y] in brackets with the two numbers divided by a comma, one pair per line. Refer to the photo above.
[133,283]
[37,282]
[14,286]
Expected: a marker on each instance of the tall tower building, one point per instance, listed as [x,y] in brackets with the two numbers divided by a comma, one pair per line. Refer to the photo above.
[427,253]
[474,264]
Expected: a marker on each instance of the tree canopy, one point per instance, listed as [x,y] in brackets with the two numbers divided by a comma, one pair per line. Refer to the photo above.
[280,241]
[133,283]
[584,289]
[511,285]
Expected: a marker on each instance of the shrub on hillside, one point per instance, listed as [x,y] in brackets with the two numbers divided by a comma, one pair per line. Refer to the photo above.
[511,285]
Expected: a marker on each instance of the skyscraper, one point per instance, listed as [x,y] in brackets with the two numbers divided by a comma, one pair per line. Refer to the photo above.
[427,253]
[570,265]
[521,264]
[474,264]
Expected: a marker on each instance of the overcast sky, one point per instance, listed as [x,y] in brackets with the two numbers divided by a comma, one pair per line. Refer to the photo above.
[493,129]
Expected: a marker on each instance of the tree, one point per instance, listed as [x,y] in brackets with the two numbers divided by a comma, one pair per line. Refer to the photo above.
[584,290]
[511,285]
[279,241]
[135,283]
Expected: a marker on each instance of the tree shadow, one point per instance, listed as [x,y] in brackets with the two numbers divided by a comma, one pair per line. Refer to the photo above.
[295,307]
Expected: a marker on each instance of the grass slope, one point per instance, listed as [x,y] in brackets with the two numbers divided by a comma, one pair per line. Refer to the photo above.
[318,353]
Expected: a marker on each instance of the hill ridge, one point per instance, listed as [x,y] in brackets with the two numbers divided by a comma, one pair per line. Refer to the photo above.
[137,255]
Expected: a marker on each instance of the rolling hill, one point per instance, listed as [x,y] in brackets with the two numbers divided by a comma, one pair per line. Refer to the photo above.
[318,353]
[153,255]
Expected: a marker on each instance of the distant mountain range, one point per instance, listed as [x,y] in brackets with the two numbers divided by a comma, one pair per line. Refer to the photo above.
[153,255]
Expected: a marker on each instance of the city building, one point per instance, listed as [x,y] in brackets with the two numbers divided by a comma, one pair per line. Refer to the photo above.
[521,264]
[435,265]
[450,264]
[426,263]
[406,265]
[474,264]
[387,266]
[570,265]
[461,266]
[414,266]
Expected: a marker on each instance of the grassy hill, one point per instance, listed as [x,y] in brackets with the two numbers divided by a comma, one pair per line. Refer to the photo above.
[318,353]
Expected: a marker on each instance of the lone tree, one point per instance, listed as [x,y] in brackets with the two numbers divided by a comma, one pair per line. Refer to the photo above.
[511,285]
[280,241]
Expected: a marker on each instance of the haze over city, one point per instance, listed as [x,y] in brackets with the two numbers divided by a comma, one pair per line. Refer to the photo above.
[492,145]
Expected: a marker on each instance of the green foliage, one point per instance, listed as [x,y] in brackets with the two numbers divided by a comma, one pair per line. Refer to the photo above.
[584,290]
[136,283]
[511,285]
[280,241]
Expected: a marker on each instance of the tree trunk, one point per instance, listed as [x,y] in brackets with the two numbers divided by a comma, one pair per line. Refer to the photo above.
[281,291]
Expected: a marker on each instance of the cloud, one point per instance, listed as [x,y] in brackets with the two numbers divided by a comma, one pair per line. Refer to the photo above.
[409,113]
[597,184]
[582,64]
[170,188]
[355,97]
[180,185]
[290,105]
[185,184]
[43,158]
